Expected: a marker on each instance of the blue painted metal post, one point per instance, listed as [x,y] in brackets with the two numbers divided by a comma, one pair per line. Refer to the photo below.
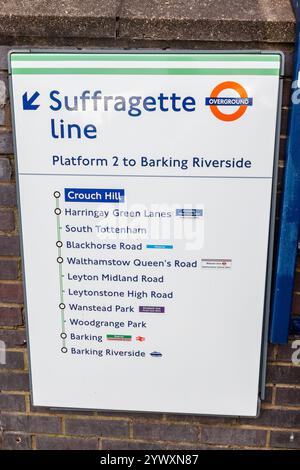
[290,214]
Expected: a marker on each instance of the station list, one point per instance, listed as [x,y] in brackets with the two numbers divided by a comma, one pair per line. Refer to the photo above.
[114,278]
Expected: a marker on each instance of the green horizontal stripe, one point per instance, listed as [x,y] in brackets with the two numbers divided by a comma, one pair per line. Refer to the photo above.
[147,57]
[138,71]
[118,336]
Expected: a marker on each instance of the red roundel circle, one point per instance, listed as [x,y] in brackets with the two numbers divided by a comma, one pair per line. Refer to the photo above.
[233,86]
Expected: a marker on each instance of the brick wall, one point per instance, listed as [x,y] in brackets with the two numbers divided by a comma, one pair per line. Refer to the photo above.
[26,427]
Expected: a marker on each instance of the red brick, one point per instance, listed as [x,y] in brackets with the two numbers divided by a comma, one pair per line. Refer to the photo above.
[188,446]
[284,121]
[282,148]
[11,316]
[284,352]
[31,424]
[288,62]
[268,394]
[2,116]
[273,417]
[8,196]
[6,143]
[14,381]
[7,220]
[198,419]
[287,396]
[283,374]
[108,444]
[13,338]
[233,436]
[9,245]
[4,50]
[288,440]
[296,304]
[4,89]
[16,441]
[286,95]
[12,402]
[13,360]
[297,281]
[97,427]
[271,352]
[165,432]
[5,169]
[11,292]
[65,443]
[9,269]
[7,116]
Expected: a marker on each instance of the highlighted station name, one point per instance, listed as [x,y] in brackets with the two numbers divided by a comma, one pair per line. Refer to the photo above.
[94,195]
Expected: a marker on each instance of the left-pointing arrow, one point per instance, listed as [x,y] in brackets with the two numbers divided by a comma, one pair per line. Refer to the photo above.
[28,103]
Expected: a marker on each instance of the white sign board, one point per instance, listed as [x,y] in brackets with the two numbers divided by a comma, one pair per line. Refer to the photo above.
[145,186]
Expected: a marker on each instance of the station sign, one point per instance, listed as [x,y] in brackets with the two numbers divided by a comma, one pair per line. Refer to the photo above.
[146,186]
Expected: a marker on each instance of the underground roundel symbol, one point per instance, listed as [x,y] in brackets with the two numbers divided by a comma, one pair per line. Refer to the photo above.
[232,86]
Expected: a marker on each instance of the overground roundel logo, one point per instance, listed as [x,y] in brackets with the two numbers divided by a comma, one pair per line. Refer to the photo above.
[242,101]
